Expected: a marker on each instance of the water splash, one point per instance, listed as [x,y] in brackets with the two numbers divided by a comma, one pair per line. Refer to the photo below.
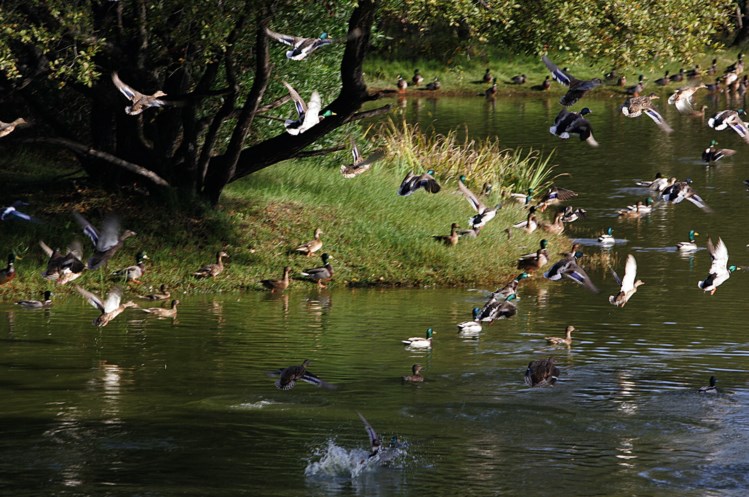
[335,461]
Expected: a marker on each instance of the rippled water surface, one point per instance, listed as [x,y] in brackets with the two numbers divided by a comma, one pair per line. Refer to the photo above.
[185,407]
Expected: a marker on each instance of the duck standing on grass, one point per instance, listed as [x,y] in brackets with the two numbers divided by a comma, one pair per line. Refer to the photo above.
[713,154]
[415,377]
[562,341]
[109,308]
[542,373]
[279,285]
[9,272]
[720,271]
[212,270]
[577,87]
[300,47]
[402,84]
[417,78]
[320,275]
[424,342]
[135,272]
[290,375]
[312,246]
[536,260]
[63,268]
[37,304]
[451,239]
[106,242]
[413,182]
[434,85]
[170,312]
[628,284]
[139,101]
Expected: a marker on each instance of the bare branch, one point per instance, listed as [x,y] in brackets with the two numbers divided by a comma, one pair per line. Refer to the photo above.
[274,104]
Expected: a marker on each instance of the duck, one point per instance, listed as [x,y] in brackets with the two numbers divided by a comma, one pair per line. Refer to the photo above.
[300,47]
[420,342]
[577,87]
[510,287]
[635,106]
[737,66]
[106,242]
[567,123]
[109,308]
[628,284]
[162,294]
[567,267]
[657,185]
[607,237]
[377,450]
[473,326]
[732,118]
[308,113]
[681,190]
[170,312]
[518,80]
[534,261]
[611,77]
[312,246]
[682,99]
[572,214]
[360,164]
[488,76]
[689,246]
[417,78]
[711,388]
[8,128]
[562,341]
[666,79]
[678,77]
[695,72]
[531,222]
[138,101]
[713,154]
[546,84]
[434,85]
[484,214]
[64,268]
[415,376]
[638,210]
[46,302]
[492,90]
[554,196]
[497,308]
[288,377]
[523,198]
[212,270]
[451,239]
[402,84]
[541,373]
[720,271]
[12,212]
[557,227]
[279,285]
[713,68]
[320,275]
[9,272]
[135,272]
[637,89]
[412,182]
[622,81]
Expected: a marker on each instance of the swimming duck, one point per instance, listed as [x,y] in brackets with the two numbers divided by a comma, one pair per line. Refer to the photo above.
[107,242]
[732,118]
[657,185]
[492,90]
[607,238]
[290,375]
[212,270]
[689,246]
[420,342]
[534,261]
[37,304]
[541,373]
[497,308]
[139,101]
[402,84]
[7,274]
[360,164]
[635,106]
[322,274]
[63,268]
[488,76]
[308,114]
[638,210]
[567,267]
[554,196]
[711,389]
[680,190]
[434,85]
[720,271]
[518,80]
[301,47]
[713,154]
[417,78]
[110,308]
[281,284]
[572,214]
[666,79]
[484,214]
[452,238]
[135,272]
[682,98]
[171,312]
[628,284]
[567,123]
[473,326]
[577,87]
[12,212]
[8,128]
[415,377]
[162,294]
[562,341]
[412,183]
[312,246]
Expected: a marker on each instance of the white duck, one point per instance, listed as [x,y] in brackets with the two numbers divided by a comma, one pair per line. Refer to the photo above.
[628,283]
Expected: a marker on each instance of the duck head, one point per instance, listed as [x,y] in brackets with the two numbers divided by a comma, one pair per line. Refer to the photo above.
[610,231]
[429,333]
[324,36]
[511,297]
[476,311]
[733,268]
[544,243]
[521,276]
[585,111]
[649,201]
[430,172]
[692,234]
[325,258]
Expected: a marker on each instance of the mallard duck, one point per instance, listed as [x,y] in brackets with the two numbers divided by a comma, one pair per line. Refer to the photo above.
[562,341]
[9,273]
[360,164]
[64,268]
[680,190]
[554,196]
[682,98]
[523,198]
[135,272]
[577,87]
[375,443]
[720,271]
[452,238]
[8,128]
[732,118]
[730,81]
[170,312]
[107,242]
[212,270]
[712,388]
[488,76]
[628,284]
[110,308]
[678,77]
[534,261]
[434,85]
[37,304]
[611,77]
[279,285]
[139,101]
[638,210]
[473,326]
[567,267]
[557,227]
[635,106]
[541,373]
[492,90]
[657,185]
[713,68]
[308,113]
[322,274]
[622,81]
[695,72]
[607,237]
[300,47]
[312,246]
[567,123]
[483,213]
[402,84]
[412,183]
[290,375]
[546,83]
[689,246]
[666,79]
[637,89]
[12,212]
[420,342]
[531,222]
[498,308]
[417,78]
[518,80]
[415,377]
[737,66]
[572,214]
[713,154]
[162,294]
[510,287]
[472,232]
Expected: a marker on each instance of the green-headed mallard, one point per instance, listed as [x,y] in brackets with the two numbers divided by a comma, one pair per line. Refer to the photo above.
[279,285]
[658,184]
[711,388]
[497,308]
[424,342]
[637,210]
[162,294]
[573,123]
[666,79]
[135,272]
[628,284]
[64,268]
[689,246]
[212,270]
[308,113]
[300,47]
[680,190]
[451,239]
[107,242]
[312,246]
[109,308]
[523,198]
[577,87]
[732,118]
[541,373]
[12,212]
[320,275]
[520,79]
[473,326]
[713,154]
[37,304]
[484,214]
[9,272]
[510,287]
[635,106]
[139,101]
[415,376]
[360,164]
[607,237]
[567,267]
[417,78]
[737,66]
[535,261]
[290,375]
[682,98]
[720,271]
[170,312]
[567,340]
[8,128]
[413,182]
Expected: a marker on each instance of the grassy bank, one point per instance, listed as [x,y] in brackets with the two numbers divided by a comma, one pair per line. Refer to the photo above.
[374,236]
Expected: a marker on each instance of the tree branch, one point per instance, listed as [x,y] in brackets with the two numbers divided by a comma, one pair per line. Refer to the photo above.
[370,113]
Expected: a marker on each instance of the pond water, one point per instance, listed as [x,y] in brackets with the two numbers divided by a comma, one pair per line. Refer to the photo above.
[185,407]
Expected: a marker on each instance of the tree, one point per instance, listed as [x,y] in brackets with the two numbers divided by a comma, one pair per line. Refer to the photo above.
[211,57]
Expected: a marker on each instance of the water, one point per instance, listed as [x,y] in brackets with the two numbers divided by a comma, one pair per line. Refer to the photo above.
[186,407]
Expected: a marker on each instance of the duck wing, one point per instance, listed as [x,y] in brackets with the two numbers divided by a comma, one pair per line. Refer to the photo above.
[113,299]
[92,299]
[578,275]
[477,205]
[657,119]
[88,229]
[630,272]
[556,73]
[315,380]
[129,92]
[290,40]
[374,440]
[719,254]
[299,104]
